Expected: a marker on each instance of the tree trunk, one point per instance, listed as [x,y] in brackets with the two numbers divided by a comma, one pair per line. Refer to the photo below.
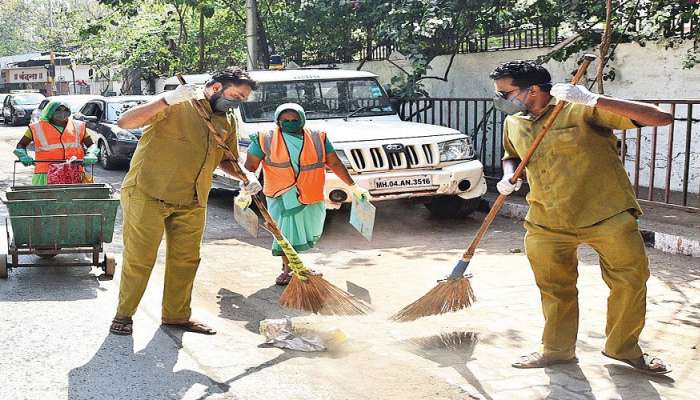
[201,40]
[251,28]
[263,47]
[604,46]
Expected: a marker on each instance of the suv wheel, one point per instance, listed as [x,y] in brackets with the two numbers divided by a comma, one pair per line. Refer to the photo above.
[452,206]
[106,160]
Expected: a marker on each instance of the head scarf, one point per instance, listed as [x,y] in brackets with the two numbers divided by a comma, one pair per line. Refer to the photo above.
[50,108]
[291,107]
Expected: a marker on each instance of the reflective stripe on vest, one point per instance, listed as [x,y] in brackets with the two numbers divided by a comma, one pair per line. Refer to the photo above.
[267,152]
[318,145]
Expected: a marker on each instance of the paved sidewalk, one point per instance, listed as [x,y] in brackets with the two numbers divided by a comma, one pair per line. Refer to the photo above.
[667,229]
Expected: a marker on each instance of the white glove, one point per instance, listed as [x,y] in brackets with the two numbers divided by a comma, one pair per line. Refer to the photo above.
[243,199]
[253,186]
[574,94]
[360,192]
[505,187]
[181,94]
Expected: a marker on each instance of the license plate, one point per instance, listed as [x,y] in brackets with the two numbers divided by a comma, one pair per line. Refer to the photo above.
[403,182]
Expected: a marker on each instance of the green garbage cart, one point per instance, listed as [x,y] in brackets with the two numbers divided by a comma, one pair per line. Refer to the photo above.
[59,219]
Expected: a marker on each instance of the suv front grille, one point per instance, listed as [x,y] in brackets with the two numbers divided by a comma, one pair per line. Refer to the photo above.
[377,159]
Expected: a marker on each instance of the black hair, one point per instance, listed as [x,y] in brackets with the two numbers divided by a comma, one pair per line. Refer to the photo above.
[525,73]
[232,76]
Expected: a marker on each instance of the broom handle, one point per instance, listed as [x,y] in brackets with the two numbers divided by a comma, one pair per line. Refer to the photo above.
[498,204]
[271,224]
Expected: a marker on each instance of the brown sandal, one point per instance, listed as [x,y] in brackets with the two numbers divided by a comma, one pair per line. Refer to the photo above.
[538,360]
[192,326]
[283,278]
[122,326]
[646,364]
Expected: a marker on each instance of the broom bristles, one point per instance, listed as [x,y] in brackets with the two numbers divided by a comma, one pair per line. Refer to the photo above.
[317,295]
[449,295]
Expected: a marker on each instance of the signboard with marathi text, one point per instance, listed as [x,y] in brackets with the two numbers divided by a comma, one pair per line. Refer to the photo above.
[23,75]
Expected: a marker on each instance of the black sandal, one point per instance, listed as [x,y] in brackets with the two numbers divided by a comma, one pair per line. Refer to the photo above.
[192,326]
[122,326]
[644,364]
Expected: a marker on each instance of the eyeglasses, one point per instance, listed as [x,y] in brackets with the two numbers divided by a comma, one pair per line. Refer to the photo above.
[505,94]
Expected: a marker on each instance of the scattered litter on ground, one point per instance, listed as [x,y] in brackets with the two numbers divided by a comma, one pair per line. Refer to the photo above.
[283,334]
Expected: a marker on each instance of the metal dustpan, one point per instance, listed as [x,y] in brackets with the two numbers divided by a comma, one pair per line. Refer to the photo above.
[247,219]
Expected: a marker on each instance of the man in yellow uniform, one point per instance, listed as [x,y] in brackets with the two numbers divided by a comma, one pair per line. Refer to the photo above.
[579,194]
[166,191]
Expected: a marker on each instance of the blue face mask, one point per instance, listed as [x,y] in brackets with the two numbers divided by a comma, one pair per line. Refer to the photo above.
[291,126]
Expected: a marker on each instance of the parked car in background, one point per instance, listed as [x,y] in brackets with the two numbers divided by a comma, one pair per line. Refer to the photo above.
[2,100]
[17,107]
[117,145]
[74,101]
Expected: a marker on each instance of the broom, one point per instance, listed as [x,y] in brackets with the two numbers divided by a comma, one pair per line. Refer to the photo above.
[306,291]
[455,292]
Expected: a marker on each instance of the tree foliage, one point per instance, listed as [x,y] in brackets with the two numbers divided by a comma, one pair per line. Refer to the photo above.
[161,37]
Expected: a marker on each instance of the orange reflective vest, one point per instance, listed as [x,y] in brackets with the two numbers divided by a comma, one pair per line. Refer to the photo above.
[277,167]
[50,144]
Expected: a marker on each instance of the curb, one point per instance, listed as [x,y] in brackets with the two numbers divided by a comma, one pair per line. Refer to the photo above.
[665,242]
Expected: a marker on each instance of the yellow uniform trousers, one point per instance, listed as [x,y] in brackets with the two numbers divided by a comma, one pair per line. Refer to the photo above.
[624,265]
[145,221]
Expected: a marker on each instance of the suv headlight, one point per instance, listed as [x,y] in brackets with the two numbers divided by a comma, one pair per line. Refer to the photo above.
[459,149]
[125,135]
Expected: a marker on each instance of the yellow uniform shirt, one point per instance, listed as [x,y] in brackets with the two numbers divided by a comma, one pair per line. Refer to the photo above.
[177,155]
[576,177]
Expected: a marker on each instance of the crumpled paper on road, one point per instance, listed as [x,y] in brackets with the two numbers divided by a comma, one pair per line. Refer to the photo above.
[279,333]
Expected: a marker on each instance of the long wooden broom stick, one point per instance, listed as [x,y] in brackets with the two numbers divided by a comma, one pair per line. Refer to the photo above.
[455,292]
[233,163]
[319,296]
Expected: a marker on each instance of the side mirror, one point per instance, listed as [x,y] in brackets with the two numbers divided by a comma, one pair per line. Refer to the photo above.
[83,117]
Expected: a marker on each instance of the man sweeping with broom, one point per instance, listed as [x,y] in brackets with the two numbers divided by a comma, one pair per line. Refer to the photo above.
[167,187]
[579,194]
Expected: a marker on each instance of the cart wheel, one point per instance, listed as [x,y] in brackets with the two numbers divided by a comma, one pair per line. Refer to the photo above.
[110,265]
[3,265]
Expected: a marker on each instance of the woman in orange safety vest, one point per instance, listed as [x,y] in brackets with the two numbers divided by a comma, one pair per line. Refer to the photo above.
[56,136]
[294,161]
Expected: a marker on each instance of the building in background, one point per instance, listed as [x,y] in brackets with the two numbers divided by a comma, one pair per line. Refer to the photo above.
[30,72]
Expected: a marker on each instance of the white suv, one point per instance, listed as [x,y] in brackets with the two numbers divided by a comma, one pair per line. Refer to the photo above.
[392,158]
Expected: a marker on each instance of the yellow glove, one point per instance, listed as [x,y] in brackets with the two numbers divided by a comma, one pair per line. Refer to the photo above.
[360,192]
[243,199]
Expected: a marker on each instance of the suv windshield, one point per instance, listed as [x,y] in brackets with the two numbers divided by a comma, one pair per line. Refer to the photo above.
[320,99]
[114,110]
[28,99]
